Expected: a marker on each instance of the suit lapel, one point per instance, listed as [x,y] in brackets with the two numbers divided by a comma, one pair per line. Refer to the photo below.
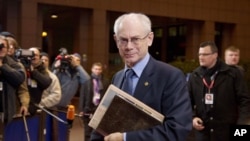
[145,82]
[118,79]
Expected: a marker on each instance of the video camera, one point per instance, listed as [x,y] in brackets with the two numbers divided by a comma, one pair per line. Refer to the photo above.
[65,59]
[25,56]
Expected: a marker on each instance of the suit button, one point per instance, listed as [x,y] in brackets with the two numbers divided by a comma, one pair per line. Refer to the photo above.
[211,118]
[211,130]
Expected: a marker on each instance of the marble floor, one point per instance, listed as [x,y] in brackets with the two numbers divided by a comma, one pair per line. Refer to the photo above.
[76,132]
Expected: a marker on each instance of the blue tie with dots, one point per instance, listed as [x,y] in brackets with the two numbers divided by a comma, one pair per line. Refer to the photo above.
[127,85]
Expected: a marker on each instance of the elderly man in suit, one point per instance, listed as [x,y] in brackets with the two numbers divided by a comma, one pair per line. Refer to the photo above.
[157,84]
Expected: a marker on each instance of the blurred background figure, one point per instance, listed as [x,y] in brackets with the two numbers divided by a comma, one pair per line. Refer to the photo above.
[22,92]
[219,96]
[71,75]
[51,97]
[232,57]
[11,77]
[13,44]
[38,79]
[91,94]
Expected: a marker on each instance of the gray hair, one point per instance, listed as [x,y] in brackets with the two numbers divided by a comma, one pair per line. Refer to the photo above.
[139,16]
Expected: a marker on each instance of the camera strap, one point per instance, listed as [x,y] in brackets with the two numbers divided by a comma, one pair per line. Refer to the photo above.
[28,77]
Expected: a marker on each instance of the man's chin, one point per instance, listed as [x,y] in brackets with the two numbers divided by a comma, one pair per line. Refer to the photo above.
[130,62]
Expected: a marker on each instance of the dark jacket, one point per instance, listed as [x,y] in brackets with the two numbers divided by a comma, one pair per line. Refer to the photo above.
[11,75]
[42,80]
[86,104]
[231,101]
[70,80]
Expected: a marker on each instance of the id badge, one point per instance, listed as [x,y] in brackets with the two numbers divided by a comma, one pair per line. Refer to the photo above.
[33,83]
[29,81]
[1,86]
[209,98]
[97,96]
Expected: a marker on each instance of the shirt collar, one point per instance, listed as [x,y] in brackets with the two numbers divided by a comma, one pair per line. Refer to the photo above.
[139,67]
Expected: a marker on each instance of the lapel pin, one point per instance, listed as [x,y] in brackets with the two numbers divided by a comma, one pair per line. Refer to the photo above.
[146,84]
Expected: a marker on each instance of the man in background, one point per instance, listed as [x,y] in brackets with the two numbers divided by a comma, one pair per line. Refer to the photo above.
[22,92]
[91,95]
[219,96]
[11,77]
[71,75]
[38,79]
[232,57]
[51,97]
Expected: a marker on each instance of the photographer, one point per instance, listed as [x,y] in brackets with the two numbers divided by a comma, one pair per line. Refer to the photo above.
[22,91]
[52,95]
[71,75]
[38,79]
[11,76]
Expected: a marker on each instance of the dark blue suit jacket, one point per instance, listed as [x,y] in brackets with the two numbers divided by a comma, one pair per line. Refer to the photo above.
[163,88]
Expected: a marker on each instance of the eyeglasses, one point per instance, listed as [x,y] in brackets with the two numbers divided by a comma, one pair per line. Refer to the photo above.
[204,54]
[134,40]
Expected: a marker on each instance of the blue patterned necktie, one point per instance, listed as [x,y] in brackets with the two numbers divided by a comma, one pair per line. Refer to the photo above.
[127,85]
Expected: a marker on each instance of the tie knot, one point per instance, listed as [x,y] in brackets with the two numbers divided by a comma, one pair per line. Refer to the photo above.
[129,73]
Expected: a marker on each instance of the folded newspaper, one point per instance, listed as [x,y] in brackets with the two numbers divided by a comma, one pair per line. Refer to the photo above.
[121,112]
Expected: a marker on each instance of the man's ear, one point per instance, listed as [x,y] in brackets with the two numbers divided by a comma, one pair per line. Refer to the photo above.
[150,38]
[115,38]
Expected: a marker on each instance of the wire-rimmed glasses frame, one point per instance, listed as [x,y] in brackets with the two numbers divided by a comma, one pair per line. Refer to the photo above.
[133,40]
[205,54]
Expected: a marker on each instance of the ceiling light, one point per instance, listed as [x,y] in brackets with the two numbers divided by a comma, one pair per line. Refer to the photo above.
[54,16]
[44,34]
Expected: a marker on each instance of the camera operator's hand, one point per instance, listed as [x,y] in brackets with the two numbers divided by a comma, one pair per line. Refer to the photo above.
[75,61]
[57,63]
[23,110]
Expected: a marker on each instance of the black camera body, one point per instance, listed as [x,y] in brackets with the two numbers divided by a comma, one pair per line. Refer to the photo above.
[25,56]
[24,53]
[65,62]
[65,59]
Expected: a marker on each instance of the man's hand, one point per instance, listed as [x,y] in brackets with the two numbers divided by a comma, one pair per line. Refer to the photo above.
[75,61]
[114,137]
[57,63]
[23,110]
[198,124]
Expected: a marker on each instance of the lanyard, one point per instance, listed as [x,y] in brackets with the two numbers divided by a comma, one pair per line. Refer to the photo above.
[212,82]
[208,86]
[28,74]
